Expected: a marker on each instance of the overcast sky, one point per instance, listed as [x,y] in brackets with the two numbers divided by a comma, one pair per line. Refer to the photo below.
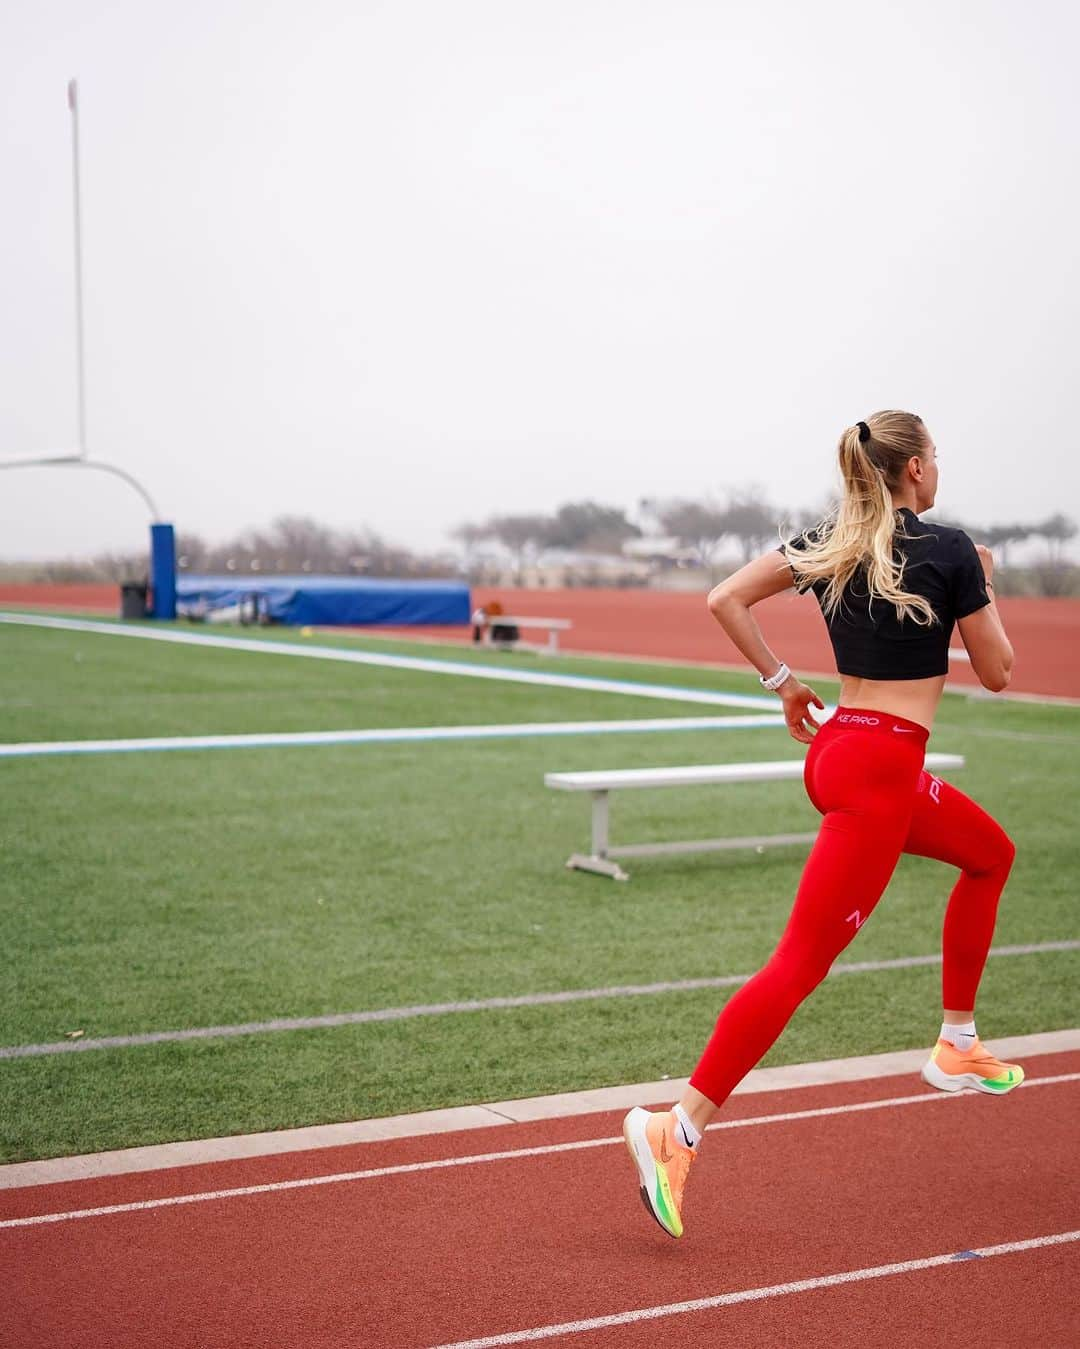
[399,265]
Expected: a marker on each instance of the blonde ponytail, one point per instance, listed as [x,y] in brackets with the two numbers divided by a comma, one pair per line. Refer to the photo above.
[859,533]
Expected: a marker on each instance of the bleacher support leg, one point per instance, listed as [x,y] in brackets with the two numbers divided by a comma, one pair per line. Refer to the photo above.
[598,861]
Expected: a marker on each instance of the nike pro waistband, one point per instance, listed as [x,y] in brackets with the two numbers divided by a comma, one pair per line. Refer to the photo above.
[868,719]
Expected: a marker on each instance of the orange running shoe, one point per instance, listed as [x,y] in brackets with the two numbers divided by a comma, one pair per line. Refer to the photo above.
[952,1069]
[662,1163]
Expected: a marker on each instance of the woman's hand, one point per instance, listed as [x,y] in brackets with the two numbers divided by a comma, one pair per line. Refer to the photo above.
[797,699]
[986,557]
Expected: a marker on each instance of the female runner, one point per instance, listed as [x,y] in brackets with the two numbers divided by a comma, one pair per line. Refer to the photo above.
[891,589]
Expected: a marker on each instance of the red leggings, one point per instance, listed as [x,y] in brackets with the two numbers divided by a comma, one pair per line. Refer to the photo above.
[864,774]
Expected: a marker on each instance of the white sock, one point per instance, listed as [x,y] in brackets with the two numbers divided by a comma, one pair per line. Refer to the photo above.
[686,1133]
[963,1037]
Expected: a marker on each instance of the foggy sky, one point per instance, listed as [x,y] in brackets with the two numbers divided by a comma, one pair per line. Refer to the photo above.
[398,265]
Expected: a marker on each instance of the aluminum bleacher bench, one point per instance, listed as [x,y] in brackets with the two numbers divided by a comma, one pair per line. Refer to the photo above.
[553,627]
[599,784]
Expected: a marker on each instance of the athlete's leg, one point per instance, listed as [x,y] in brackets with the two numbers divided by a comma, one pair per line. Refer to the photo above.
[950,827]
[862,777]
[865,786]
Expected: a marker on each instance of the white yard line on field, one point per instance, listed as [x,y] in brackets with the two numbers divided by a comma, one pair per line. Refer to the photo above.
[422,665]
[557,998]
[23,749]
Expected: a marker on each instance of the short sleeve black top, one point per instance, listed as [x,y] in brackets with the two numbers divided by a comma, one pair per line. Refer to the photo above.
[869,640]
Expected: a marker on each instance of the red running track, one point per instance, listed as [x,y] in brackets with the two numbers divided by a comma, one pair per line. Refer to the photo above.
[678,626]
[437,1256]
[673,625]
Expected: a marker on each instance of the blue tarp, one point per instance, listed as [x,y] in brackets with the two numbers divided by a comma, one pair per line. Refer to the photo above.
[324,600]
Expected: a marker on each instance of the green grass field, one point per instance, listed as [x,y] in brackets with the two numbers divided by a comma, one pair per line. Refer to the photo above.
[160,891]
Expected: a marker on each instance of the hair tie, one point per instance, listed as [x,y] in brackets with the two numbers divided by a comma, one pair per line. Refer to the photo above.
[864,432]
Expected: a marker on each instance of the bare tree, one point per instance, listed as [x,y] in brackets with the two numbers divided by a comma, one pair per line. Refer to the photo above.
[752,521]
[1001,536]
[522,534]
[301,545]
[1054,575]
[470,536]
[698,525]
[1057,530]
[591,527]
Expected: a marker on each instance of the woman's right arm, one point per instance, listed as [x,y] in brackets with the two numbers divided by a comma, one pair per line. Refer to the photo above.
[983,634]
[730,601]
[729,604]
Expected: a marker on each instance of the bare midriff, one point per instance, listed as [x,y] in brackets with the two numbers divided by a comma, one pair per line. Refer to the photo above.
[913,699]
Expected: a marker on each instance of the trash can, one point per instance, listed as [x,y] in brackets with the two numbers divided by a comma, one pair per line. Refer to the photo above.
[133,599]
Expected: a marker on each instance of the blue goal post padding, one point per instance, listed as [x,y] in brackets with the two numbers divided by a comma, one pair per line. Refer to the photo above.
[325,601]
[163,570]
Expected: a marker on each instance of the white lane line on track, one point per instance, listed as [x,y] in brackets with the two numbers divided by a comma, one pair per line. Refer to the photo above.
[20,749]
[480,1005]
[588,683]
[476,1159]
[701,1304]
[495,1114]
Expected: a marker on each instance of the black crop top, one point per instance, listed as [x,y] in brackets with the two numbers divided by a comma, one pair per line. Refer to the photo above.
[869,639]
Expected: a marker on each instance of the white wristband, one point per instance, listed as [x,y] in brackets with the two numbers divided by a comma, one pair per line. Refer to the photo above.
[774,682]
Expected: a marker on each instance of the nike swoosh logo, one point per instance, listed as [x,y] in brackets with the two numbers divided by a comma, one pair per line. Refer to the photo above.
[663,1149]
[903,730]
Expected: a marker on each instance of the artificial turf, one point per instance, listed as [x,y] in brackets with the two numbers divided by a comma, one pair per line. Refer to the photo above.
[144,892]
